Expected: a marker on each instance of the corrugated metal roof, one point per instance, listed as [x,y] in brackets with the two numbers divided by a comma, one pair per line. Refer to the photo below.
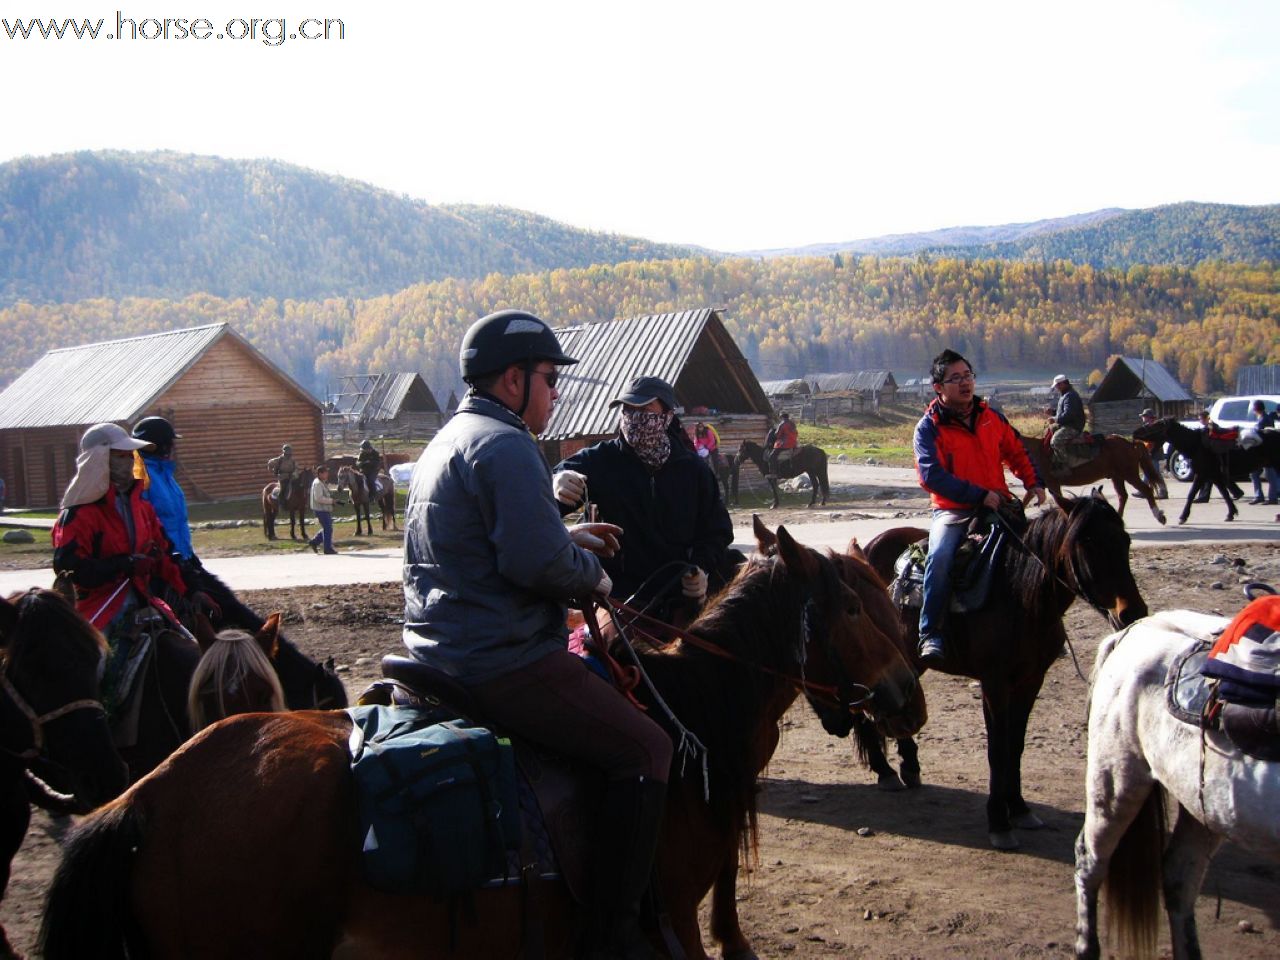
[773,388]
[1258,379]
[858,380]
[1131,377]
[378,396]
[660,345]
[115,380]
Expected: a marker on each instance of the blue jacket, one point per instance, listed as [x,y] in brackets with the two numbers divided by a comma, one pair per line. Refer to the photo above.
[488,564]
[170,504]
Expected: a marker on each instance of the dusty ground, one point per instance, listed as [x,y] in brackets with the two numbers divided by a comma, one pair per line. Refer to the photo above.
[922,881]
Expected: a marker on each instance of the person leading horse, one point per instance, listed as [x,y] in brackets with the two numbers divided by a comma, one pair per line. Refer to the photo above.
[489,569]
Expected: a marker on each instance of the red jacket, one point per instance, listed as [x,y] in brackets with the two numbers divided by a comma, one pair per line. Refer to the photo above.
[959,460]
[91,542]
[785,438]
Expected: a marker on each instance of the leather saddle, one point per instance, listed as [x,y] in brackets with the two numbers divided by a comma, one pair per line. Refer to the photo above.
[1193,698]
[556,796]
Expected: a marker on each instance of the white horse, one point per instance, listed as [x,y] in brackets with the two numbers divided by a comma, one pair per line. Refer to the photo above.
[1138,754]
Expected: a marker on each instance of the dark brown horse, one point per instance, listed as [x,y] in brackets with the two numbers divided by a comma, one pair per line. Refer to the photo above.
[55,748]
[1119,459]
[296,506]
[259,809]
[808,460]
[1081,550]
[349,478]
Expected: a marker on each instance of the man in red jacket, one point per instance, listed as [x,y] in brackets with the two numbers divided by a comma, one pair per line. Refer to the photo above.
[785,437]
[961,447]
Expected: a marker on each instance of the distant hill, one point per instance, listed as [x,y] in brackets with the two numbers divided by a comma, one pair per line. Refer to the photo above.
[1184,234]
[113,224]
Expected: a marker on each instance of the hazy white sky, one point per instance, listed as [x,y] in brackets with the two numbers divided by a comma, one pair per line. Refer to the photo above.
[733,125]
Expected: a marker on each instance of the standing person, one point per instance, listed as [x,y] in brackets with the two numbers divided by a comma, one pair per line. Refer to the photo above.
[322,506]
[1068,419]
[1265,421]
[369,463]
[706,443]
[285,469]
[785,437]
[961,448]
[659,492]
[109,543]
[162,491]
[488,570]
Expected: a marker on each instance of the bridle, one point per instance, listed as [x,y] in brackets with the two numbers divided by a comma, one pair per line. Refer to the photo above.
[38,721]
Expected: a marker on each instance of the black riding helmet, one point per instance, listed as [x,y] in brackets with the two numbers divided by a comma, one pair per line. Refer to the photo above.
[495,342]
[157,431]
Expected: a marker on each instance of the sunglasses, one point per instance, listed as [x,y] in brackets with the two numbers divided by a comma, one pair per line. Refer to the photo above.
[552,377]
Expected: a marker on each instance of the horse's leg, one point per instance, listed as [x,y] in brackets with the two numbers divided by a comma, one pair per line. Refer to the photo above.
[870,749]
[1148,493]
[1186,859]
[995,711]
[773,485]
[1021,704]
[909,753]
[1224,488]
[813,489]
[15,817]
[1122,495]
[725,925]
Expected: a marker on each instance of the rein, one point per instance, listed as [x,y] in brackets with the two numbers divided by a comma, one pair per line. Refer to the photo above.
[38,721]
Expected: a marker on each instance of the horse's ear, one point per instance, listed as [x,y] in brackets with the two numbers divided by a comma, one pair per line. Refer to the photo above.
[796,557]
[855,550]
[8,620]
[268,636]
[766,540]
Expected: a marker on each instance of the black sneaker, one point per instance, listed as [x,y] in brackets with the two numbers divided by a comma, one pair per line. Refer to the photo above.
[1255,501]
[315,547]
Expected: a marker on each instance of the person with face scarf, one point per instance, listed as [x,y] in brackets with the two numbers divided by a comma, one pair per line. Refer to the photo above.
[108,540]
[649,481]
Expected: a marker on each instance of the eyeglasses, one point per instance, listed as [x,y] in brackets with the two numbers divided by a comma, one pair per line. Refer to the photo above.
[960,378]
[552,377]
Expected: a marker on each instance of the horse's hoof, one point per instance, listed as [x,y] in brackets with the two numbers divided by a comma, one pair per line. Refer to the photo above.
[1181,521]
[1230,517]
[1004,840]
[912,779]
[1028,821]
[890,783]
[1162,518]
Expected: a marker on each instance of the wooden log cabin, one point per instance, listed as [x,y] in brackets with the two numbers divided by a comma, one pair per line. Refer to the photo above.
[232,406]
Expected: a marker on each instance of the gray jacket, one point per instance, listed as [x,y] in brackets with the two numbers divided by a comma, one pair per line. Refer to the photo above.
[488,564]
[1070,411]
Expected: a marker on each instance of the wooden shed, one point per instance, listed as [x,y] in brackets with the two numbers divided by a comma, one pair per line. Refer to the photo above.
[398,405]
[232,406]
[691,350]
[835,393]
[1130,385]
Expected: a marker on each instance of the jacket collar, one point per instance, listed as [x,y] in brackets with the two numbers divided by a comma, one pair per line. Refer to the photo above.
[486,405]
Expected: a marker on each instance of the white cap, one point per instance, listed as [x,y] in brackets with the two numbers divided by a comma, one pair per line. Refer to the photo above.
[110,435]
[1060,378]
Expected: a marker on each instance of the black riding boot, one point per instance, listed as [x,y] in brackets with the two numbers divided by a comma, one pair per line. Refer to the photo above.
[631,816]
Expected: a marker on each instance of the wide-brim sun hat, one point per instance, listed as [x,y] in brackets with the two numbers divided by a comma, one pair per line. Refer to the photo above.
[1060,378]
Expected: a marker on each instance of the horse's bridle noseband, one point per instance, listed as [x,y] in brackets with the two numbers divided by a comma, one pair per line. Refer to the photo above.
[38,721]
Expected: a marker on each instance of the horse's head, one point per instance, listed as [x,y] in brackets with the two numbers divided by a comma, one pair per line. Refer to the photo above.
[1155,432]
[853,636]
[50,709]
[1092,555]
[235,675]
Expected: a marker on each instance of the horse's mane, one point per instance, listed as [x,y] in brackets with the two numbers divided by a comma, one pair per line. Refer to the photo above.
[37,614]
[1050,538]
[231,662]
[721,700]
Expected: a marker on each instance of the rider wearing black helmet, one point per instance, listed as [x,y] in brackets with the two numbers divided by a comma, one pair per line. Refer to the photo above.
[162,490]
[489,569]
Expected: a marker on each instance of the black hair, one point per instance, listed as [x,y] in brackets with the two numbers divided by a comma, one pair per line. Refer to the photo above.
[943,360]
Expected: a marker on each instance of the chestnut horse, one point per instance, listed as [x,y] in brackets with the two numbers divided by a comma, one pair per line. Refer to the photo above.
[807,459]
[1120,460]
[1080,550]
[259,808]
[56,750]
[296,506]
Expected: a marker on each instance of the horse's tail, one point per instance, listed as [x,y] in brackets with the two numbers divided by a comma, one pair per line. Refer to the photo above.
[87,911]
[1133,884]
[1149,471]
[822,473]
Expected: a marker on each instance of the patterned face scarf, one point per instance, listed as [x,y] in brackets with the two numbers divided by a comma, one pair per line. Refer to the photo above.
[646,434]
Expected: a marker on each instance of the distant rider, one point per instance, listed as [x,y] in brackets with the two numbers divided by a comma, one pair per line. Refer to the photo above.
[285,469]
[369,463]
[1068,420]
[785,437]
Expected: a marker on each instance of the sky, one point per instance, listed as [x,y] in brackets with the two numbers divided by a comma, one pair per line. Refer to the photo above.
[734,126]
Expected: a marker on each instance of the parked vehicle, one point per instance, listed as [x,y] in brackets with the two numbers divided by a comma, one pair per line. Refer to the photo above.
[1225,412]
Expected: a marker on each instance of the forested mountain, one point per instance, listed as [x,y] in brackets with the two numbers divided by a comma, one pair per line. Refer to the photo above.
[1182,233]
[789,316]
[115,224]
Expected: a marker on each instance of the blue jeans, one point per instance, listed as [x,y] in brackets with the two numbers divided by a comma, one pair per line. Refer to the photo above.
[325,535]
[945,536]
[1273,482]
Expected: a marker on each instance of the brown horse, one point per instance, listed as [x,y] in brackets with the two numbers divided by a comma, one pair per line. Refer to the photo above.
[349,478]
[1080,550]
[808,460]
[1120,460]
[235,675]
[56,750]
[296,506]
[259,808]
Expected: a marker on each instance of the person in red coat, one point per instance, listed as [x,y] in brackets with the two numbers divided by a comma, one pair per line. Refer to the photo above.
[785,437]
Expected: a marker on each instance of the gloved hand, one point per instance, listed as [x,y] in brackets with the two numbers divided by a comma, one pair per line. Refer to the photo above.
[598,538]
[694,584]
[604,587]
[206,604]
[142,565]
[569,487]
